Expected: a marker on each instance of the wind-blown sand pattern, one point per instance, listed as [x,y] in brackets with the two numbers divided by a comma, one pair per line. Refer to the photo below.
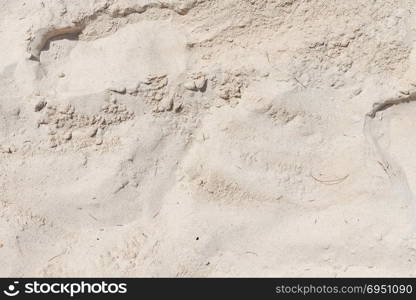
[207,138]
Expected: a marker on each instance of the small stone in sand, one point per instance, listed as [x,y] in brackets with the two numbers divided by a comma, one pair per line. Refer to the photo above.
[92,132]
[200,83]
[68,136]
[190,85]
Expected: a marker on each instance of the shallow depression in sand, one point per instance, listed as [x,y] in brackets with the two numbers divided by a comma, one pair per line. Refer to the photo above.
[93,66]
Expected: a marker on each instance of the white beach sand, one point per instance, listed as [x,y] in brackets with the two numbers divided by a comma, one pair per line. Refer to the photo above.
[207,138]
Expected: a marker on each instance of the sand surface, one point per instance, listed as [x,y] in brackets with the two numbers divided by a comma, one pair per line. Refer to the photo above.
[207,138]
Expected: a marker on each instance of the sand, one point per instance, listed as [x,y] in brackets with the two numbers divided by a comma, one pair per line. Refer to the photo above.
[207,138]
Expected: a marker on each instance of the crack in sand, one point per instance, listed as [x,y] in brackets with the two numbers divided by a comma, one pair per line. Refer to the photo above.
[393,169]
[381,106]
[44,35]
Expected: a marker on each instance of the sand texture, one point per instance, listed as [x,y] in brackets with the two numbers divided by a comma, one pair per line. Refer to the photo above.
[192,138]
